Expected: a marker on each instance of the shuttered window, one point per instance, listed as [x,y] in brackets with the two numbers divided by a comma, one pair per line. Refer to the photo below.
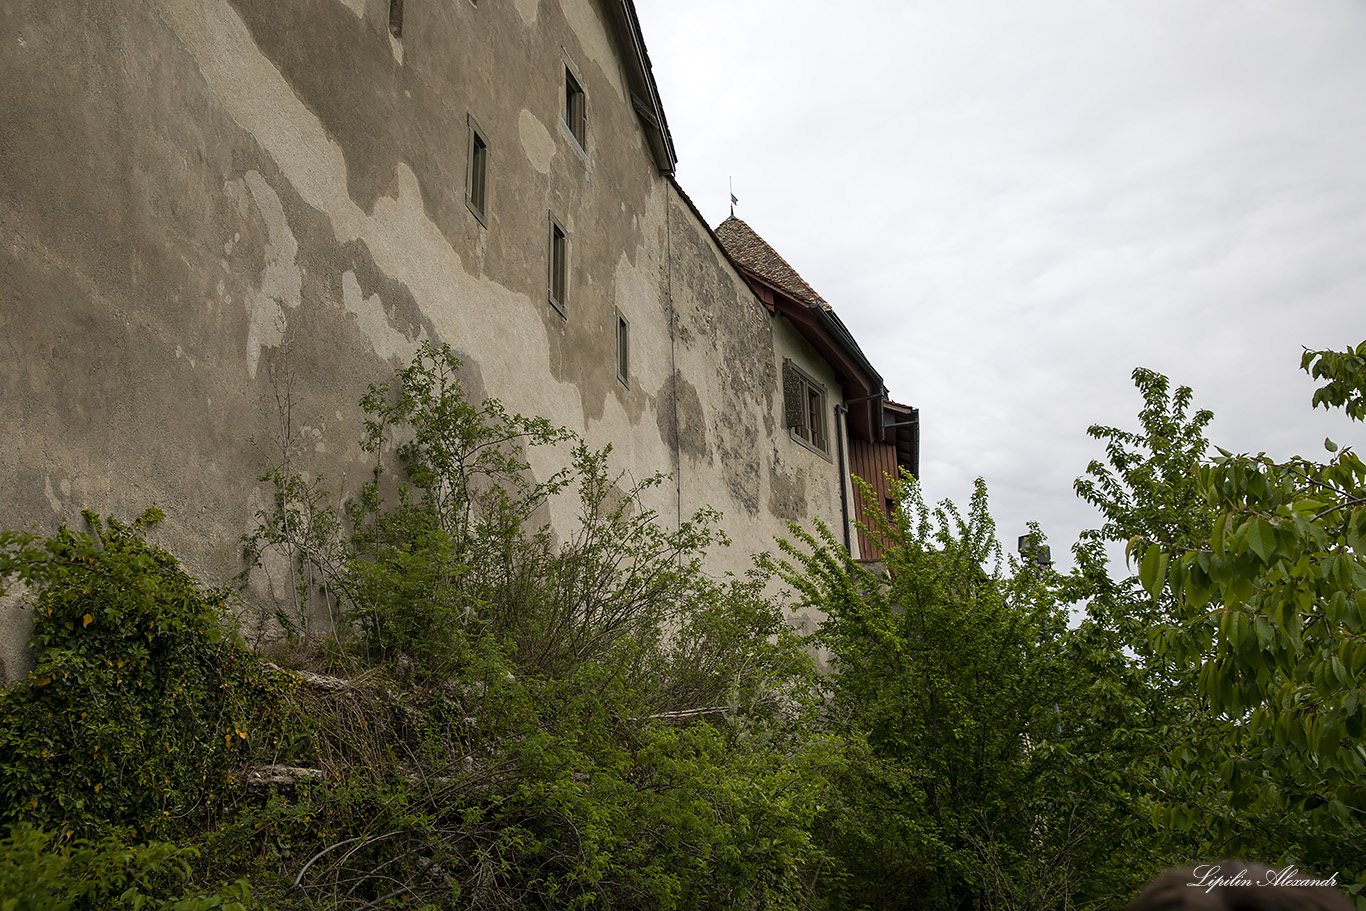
[804,408]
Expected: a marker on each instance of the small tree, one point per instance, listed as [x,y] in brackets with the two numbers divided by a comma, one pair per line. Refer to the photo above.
[1266,608]
[945,691]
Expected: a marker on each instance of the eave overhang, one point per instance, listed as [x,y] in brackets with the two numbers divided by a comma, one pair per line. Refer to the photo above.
[641,84]
[825,332]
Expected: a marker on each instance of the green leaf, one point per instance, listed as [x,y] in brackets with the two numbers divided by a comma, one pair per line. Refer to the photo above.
[1339,670]
[1153,570]
[1335,609]
[1326,744]
[1261,537]
[1356,530]
[1329,445]
[1219,540]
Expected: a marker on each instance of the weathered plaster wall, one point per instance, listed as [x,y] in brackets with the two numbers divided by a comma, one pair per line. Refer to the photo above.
[733,446]
[199,198]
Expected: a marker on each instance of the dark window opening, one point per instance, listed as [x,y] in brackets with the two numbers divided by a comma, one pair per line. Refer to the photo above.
[623,350]
[575,109]
[559,266]
[477,190]
[815,417]
[396,18]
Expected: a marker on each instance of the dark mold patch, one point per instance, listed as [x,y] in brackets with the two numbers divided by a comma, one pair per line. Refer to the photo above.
[692,421]
[787,494]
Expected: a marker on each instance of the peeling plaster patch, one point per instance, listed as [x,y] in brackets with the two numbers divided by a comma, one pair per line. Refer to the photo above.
[527,9]
[741,473]
[281,282]
[256,96]
[388,342]
[692,422]
[588,26]
[404,243]
[536,141]
[787,493]
[355,6]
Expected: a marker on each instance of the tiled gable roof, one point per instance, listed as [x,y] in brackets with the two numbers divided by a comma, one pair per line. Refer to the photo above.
[752,252]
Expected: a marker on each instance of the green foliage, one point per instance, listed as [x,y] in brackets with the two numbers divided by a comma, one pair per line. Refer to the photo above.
[948,675]
[1345,372]
[40,873]
[139,705]
[466,461]
[586,721]
[1138,718]
[1270,612]
[1244,658]
[594,722]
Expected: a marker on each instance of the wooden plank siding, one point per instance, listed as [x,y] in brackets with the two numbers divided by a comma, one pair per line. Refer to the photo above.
[874,463]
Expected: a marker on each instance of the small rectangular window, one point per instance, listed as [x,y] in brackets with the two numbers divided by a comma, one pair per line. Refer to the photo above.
[396,18]
[804,408]
[559,266]
[623,350]
[575,109]
[815,417]
[477,186]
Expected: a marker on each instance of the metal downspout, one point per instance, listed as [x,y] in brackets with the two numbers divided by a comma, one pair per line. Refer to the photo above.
[841,424]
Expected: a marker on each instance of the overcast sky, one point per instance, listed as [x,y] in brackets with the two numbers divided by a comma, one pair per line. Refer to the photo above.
[1013,203]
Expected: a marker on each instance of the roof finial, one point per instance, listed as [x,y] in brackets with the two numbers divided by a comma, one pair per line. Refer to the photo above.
[733,200]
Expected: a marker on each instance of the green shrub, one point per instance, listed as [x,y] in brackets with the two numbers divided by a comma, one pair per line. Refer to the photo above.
[592,722]
[140,704]
[39,873]
[586,721]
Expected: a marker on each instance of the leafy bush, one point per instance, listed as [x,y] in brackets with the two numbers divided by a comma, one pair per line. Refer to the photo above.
[954,787]
[585,722]
[140,704]
[39,873]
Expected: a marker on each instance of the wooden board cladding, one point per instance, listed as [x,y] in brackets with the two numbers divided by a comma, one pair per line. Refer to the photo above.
[876,464]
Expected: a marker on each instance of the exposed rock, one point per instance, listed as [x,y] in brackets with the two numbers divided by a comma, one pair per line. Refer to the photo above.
[262,778]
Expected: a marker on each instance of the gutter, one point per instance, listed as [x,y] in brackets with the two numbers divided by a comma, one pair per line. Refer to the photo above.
[835,327]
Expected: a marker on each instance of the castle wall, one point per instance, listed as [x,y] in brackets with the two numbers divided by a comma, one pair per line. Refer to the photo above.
[211,207]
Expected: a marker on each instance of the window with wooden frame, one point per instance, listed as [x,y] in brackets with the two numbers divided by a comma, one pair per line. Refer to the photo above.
[623,350]
[575,109]
[558,279]
[477,170]
[804,409]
